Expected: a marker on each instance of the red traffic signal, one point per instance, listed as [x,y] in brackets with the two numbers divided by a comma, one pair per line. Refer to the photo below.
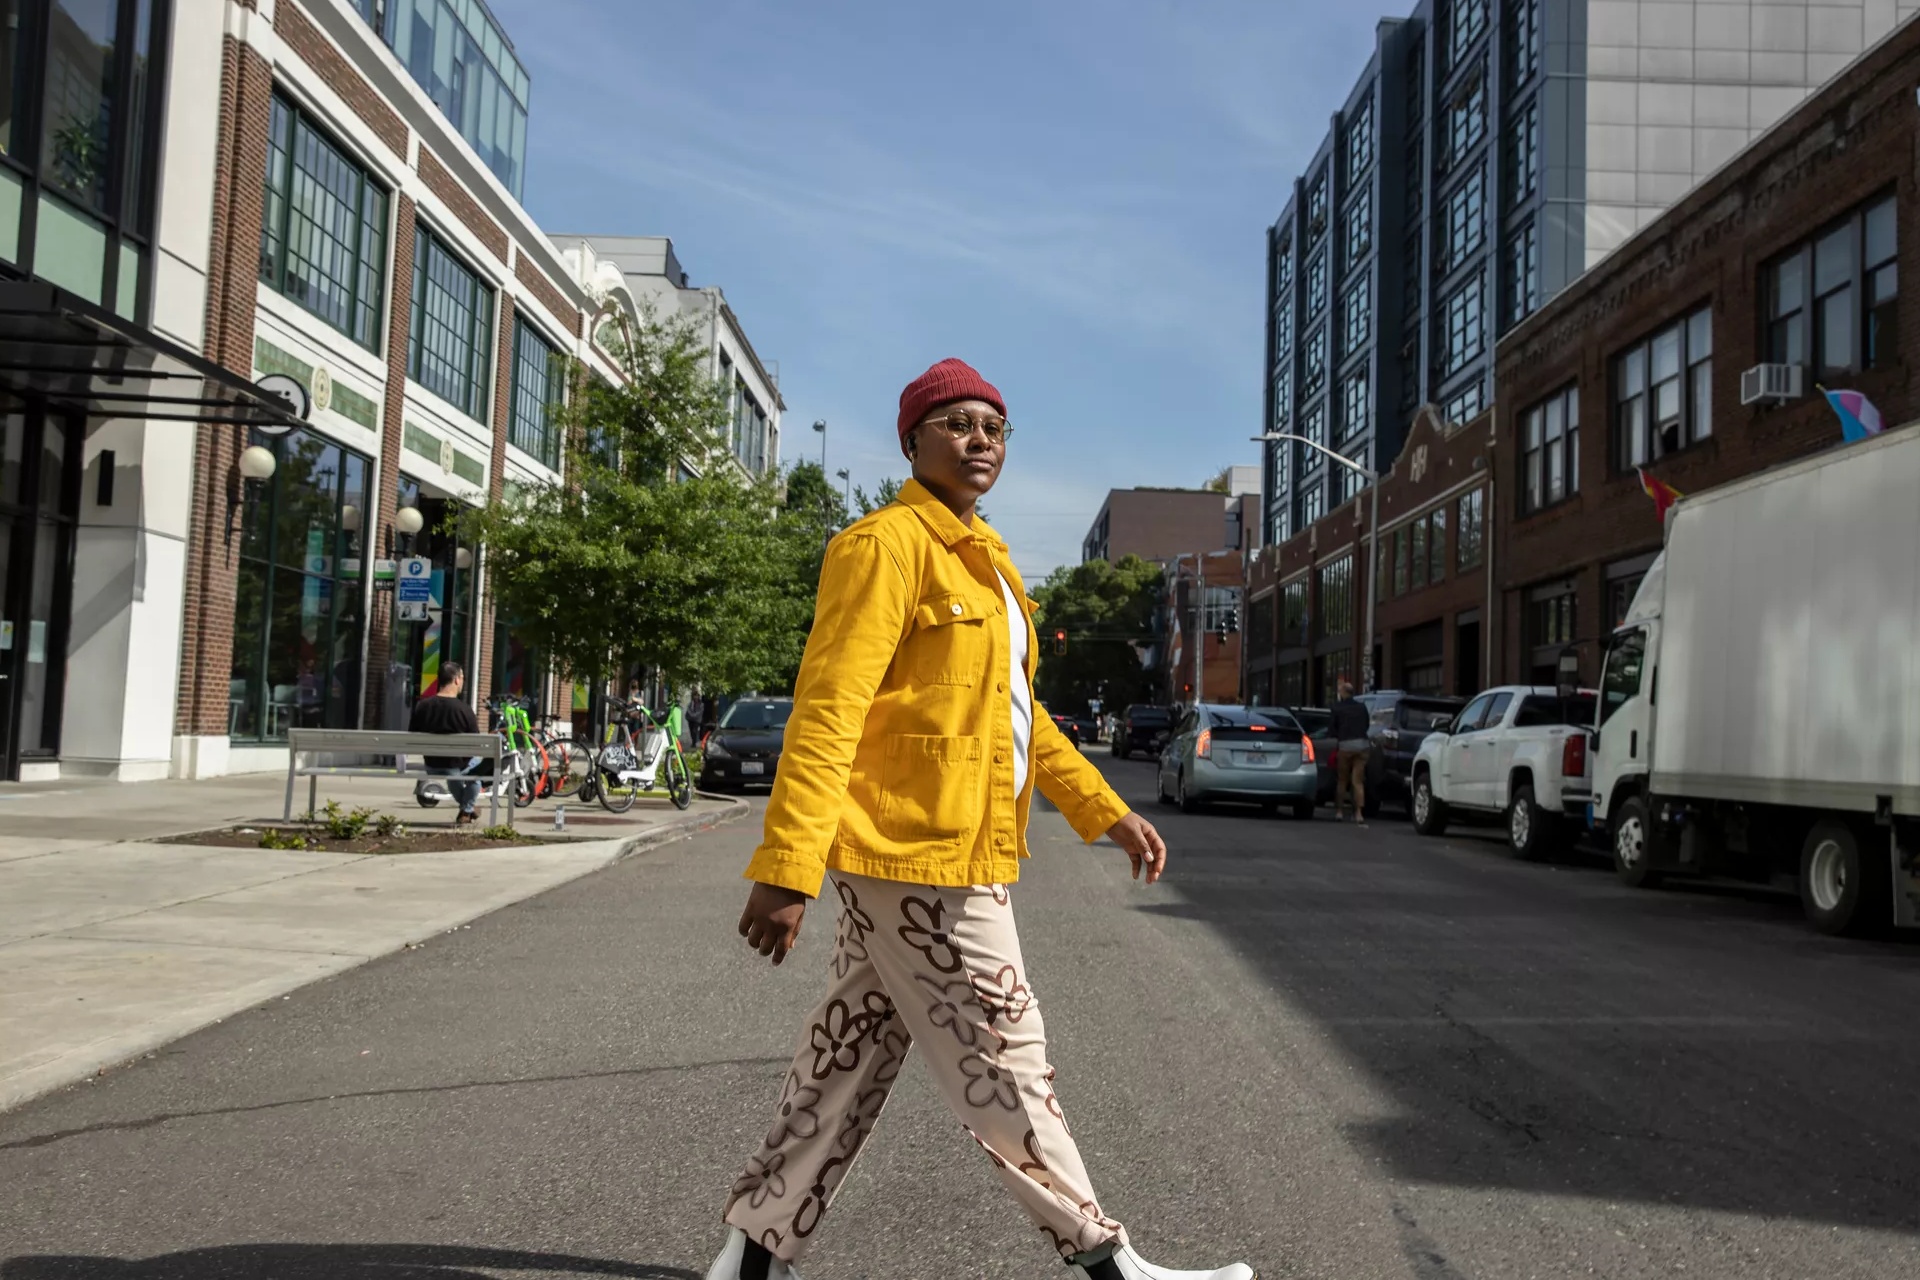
[1059,642]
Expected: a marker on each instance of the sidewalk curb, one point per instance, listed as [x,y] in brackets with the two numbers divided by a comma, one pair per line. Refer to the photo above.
[118,1051]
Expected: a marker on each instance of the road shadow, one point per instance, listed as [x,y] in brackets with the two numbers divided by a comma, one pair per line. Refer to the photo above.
[1544,1029]
[331,1262]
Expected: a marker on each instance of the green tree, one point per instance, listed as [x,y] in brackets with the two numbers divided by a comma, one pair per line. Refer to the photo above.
[889,490]
[1105,609]
[656,550]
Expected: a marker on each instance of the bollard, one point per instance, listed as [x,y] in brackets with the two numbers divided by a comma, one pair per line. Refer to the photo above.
[560,817]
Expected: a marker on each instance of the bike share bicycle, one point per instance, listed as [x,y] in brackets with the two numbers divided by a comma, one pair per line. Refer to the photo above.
[625,767]
[546,764]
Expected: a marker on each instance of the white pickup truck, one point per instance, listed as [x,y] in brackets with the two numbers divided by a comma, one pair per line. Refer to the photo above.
[1510,753]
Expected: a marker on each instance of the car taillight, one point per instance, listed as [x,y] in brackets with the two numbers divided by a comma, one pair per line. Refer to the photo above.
[1203,745]
[1573,756]
[1306,749]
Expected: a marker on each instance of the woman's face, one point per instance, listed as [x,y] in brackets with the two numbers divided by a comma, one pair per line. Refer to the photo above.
[960,465]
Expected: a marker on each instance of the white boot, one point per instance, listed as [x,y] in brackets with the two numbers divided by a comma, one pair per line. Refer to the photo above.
[727,1265]
[1124,1264]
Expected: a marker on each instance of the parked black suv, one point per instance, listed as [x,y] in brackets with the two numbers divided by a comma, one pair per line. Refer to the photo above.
[1143,727]
[1400,723]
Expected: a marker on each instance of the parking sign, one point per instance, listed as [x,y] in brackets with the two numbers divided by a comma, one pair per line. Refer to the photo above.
[415,583]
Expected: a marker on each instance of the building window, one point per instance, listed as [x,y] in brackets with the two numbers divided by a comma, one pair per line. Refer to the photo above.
[1359,228]
[1522,151]
[1663,392]
[1283,397]
[297,619]
[1356,398]
[459,55]
[1313,427]
[1260,628]
[1313,365]
[1293,614]
[1347,484]
[1317,207]
[1463,222]
[1283,271]
[1282,331]
[1437,544]
[1550,465]
[1311,504]
[1465,22]
[1832,302]
[538,374]
[1464,122]
[1360,139]
[1523,42]
[1462,326]
[323,233]
[1620,594]
[1551,625]
[1417,554]
[1472,541]
[79,95]
[1465,404]
[1416,176]
[1357,314]
[449,346]
[1316,285]
[1414,87]
[1411,296]
[1402,540]
[1522,270]
[1336,597]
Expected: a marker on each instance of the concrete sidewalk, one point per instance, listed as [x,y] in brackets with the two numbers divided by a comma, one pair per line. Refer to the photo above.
[111,946]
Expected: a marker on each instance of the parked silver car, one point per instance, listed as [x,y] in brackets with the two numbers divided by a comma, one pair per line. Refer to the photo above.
[1255,755]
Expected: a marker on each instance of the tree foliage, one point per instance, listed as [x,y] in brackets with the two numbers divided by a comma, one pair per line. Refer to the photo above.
[656,550]
[889,490]
[1105,609]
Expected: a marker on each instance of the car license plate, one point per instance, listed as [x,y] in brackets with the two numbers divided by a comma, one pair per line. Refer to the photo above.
[749,768]
[1253,757]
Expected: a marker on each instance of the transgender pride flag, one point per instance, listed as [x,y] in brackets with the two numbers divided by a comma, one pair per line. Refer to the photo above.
[1858,418]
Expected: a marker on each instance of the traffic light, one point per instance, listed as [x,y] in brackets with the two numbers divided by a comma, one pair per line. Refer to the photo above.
[1059,643]
[1229,621]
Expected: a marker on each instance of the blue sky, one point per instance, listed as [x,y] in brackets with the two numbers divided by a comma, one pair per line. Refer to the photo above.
[1070,196]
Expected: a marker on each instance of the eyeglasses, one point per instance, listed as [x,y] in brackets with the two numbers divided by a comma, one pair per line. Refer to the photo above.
[960,426]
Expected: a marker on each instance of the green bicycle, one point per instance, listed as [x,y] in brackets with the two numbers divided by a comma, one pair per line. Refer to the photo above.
[624,767]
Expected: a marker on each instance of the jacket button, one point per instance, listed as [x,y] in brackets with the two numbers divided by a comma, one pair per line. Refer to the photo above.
[958,609]
[1001,687]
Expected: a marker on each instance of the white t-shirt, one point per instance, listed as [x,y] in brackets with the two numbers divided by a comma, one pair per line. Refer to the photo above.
[1017,683]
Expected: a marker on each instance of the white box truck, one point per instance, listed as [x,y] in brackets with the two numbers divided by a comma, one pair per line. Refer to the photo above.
[1759,714]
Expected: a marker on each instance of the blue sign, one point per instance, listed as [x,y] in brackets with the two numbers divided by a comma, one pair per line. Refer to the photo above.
[415,582]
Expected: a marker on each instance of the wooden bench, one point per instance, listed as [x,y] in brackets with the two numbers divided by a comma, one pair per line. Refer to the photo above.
[380,754]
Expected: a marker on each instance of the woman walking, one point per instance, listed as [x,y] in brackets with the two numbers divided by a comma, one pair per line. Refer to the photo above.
[906,775]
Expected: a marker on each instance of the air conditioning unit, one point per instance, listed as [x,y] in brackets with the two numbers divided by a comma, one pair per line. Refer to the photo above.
[1772,383]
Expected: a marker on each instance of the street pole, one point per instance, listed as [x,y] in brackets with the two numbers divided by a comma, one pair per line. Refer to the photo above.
[820,425]
[1199,627]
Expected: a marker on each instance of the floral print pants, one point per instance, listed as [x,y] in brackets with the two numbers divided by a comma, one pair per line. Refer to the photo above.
[940,967]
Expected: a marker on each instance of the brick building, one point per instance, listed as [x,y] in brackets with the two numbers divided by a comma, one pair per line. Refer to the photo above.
[1159,524]
[206,569]
[1305,621]
[1790,255]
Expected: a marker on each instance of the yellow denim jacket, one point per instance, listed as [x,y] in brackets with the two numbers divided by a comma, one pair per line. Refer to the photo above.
[898,760]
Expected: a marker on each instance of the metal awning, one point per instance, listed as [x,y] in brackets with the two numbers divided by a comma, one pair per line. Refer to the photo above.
[84,358]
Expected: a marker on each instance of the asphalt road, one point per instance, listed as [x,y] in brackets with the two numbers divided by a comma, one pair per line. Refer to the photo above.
[1336,1052]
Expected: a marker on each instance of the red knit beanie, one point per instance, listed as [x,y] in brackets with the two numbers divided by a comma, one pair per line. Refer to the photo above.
[944,383]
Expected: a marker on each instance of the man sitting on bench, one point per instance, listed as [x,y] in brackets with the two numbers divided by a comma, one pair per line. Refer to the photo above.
[448,713]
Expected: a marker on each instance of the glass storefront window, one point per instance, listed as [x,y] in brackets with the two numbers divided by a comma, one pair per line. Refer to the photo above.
[13,73]
[420,648]
[297,617]
[77,122]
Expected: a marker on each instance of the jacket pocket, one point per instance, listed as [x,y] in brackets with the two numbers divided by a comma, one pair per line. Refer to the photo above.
[929,788]
[949,640]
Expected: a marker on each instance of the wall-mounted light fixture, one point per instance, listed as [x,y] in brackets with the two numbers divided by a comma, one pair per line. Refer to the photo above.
[256,465]
[463,558]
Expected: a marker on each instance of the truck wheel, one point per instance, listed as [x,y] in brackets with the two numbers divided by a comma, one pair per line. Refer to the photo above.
[1843,889]
[1628,829]
[1429,811]
[1532,832]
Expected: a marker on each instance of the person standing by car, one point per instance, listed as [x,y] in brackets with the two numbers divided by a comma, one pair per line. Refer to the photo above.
[1350,719]
[908,773]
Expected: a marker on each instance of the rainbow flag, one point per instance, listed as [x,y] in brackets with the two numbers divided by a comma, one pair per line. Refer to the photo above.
[1664,495]
[1858,417]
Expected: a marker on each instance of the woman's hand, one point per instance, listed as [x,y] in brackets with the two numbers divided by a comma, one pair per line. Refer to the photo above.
[1142,843]
[771,922]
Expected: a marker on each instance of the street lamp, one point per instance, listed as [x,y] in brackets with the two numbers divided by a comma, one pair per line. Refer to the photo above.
[820,425]
[1373,534]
